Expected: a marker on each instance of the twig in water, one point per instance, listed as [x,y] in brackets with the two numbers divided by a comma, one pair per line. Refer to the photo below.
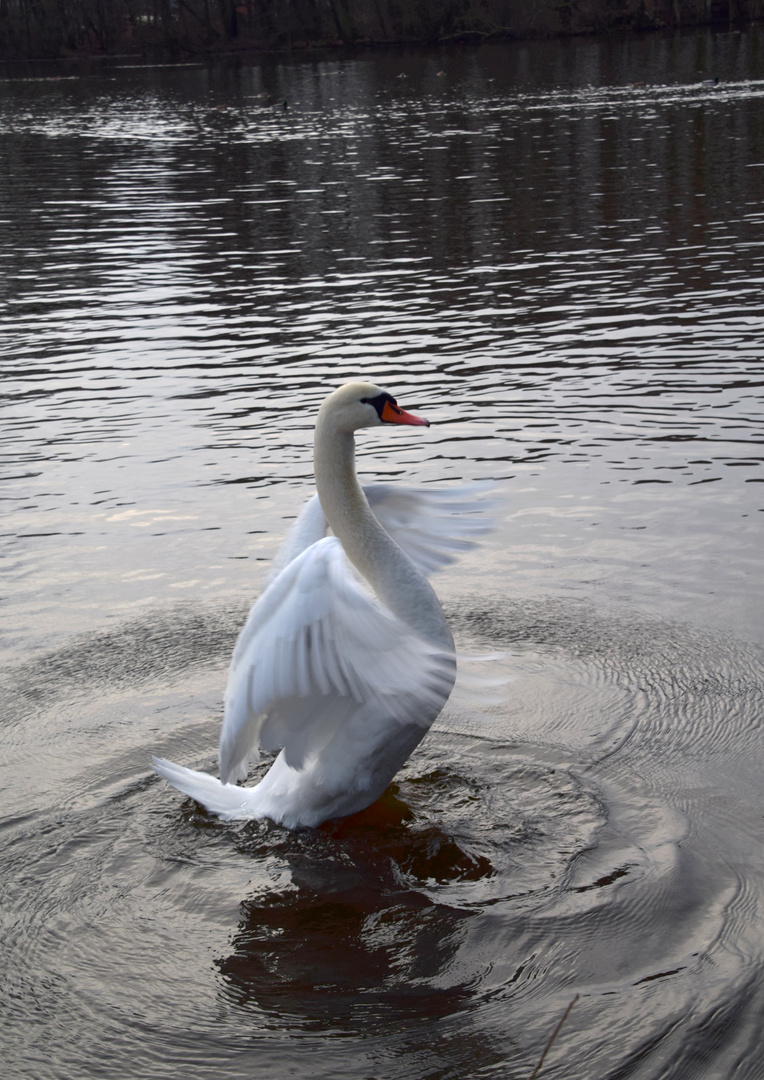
[553,1036]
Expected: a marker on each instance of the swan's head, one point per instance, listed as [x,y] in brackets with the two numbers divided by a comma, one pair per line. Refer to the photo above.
[361,404]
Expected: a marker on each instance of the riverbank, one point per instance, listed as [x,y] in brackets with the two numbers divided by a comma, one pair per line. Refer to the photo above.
[54,29]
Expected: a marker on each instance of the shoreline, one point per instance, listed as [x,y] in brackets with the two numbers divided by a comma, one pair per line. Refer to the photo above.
[248,28]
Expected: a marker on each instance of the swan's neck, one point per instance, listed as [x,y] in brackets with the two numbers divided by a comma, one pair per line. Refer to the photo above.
[393,576]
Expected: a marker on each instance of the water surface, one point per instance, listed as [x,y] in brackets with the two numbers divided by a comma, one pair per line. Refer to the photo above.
[556,252]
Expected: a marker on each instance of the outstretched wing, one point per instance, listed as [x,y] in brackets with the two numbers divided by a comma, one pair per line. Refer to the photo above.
[317,647]
[432,525]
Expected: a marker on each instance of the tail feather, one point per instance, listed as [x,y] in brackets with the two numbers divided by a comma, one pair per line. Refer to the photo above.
[226,800]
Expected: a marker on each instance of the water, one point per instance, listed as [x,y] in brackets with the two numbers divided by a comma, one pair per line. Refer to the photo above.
[555,251]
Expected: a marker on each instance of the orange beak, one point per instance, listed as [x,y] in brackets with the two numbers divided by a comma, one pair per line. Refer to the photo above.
[391,414]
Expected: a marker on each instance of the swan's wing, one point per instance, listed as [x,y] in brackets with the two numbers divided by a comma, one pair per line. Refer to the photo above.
[432,525]
[309,527]
[316,646]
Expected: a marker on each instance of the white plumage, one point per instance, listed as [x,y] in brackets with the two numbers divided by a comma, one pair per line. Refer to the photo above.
[346,659]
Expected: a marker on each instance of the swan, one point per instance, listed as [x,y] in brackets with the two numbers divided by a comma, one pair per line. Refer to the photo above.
[346,659]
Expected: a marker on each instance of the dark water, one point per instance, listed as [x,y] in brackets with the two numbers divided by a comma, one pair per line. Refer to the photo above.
[556,252]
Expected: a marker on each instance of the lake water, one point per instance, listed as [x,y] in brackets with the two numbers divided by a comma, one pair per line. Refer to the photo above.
[555,251]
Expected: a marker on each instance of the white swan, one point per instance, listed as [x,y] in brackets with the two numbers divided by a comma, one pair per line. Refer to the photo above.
[344,681]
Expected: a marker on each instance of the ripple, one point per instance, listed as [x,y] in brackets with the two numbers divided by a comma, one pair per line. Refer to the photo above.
[515,859]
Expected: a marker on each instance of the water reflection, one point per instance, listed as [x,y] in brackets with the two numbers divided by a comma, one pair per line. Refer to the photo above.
[347,946]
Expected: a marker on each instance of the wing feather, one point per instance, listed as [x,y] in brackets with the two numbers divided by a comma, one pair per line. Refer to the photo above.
[317,641]
[432,525]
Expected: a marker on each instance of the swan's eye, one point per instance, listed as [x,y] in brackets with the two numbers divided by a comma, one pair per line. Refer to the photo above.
[381,402]
[389,412]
